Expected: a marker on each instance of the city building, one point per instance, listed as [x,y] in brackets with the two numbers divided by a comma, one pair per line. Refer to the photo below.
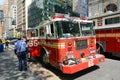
[100,7]
[16,13]
[4,21]
[21,17]
[40,10]
[81,7]
[7,19]
[1,14]
[1,23]
[12,20]
[28,2]
[22,11]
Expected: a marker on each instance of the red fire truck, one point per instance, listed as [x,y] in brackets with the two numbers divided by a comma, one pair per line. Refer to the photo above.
[107,29]
[68,44]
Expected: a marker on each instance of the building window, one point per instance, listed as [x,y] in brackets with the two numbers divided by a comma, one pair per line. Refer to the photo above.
[112,20]
[110,7]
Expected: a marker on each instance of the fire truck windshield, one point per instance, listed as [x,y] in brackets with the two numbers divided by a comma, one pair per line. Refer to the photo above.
[87,28]
[66,29]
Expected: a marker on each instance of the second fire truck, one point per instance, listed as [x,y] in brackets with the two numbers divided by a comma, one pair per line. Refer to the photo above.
[107,30]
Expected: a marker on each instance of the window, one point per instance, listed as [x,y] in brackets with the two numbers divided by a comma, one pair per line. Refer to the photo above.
[50,30]
[42,31]
[110,7]
[112,20]
[87,29]
[66,29]
[32,33]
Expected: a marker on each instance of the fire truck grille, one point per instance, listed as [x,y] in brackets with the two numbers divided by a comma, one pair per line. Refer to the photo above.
[81,44]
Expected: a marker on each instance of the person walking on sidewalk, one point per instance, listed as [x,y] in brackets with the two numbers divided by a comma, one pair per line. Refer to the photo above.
[1,46]
[20,50]
[6,44]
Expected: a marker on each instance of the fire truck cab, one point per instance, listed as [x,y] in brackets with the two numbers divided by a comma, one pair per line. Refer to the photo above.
[66,43]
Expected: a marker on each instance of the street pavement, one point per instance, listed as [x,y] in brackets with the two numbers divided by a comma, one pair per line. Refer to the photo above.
[9,68]
[108,70]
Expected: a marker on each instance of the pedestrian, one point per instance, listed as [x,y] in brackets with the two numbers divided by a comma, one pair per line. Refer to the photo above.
[27,51]
[6,44]
[1,46]
[20,50]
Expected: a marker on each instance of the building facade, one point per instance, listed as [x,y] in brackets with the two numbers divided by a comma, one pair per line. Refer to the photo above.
[27,3]
[22,16]
[5,23]
[12,20]
[1,14]
[99,7]
[40,10]
[81,7]
[7,19]
[1,23]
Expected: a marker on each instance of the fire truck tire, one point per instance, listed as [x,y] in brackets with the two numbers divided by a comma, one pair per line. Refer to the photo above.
[28,57]
[45,58]
[99,49]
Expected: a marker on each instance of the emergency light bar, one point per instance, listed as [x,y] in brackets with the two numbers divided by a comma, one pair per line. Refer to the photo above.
[59,15]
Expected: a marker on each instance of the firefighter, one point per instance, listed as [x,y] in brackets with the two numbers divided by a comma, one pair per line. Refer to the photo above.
[20,50]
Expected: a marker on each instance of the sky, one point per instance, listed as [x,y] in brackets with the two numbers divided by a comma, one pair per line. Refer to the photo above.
[1,1]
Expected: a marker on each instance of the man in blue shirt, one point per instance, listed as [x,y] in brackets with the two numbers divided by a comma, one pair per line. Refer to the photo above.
[20,50]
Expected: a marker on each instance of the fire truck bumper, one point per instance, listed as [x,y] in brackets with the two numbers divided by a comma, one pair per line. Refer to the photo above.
[83,65]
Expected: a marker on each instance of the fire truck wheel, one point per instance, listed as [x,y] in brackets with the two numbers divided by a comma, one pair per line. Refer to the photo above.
[99,49]
[45,59]
[28,56]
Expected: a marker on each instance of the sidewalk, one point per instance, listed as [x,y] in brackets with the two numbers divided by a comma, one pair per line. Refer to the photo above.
[9,68]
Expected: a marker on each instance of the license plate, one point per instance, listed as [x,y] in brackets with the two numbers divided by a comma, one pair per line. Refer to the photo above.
[83,59]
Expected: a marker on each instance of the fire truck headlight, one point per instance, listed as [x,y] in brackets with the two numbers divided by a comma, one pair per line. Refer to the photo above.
[70,56]
[92,51]
[65,62]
